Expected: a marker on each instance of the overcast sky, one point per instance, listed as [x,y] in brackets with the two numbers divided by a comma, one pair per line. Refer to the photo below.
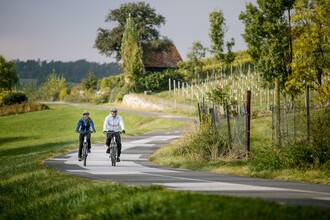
[65,30]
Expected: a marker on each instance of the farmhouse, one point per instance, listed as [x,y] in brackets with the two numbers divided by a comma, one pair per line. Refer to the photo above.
[158,61]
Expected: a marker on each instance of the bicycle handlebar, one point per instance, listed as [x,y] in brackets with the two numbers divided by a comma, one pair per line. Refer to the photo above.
[86,132]
[111,132]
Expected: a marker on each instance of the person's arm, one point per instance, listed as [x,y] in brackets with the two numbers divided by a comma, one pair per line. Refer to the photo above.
[92,125]
[121,123]
[105,124]
[78,125]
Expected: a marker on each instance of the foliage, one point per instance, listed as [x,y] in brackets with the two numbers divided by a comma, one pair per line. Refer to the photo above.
[203,144]
[72,71]
[219,95]
[31,89]
[158,81]
[267,33]
[269,159]
[217,33]
[90,82]
[55,87]
[112,88]
[108,42]
[131,54]
[8,75]
[112,81]
[22,108]
[194,63]
[14,98]
[197,52]
[311,45]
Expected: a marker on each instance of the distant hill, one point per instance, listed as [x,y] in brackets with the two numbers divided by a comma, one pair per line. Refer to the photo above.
[72,71]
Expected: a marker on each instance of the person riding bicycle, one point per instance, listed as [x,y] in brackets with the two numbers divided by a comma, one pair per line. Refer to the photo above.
[111,123]
[83,127]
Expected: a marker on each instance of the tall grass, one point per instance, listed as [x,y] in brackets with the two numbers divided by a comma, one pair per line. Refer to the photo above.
[29,190]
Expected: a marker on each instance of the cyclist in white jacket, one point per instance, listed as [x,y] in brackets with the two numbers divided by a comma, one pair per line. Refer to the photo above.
[111,124]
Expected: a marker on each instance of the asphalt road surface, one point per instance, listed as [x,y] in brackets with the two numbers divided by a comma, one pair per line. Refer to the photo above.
[136,169]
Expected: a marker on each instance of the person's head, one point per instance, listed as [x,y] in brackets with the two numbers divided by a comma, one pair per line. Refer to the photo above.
[86,114]
[114,111]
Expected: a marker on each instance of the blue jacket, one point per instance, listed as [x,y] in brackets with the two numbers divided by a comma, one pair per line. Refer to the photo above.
[84,126]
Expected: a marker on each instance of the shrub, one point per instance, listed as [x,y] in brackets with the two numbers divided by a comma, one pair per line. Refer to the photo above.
[300,155]
[320,138]
[22,108]
[14,98]
[269,159]
[203,145]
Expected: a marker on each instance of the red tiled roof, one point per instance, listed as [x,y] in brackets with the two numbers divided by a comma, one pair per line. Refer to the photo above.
[164,59]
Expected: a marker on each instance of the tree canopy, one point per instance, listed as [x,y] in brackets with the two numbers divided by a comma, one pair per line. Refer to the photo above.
[268,35]
[311,45]
[108,41]
[8,75]
[218,29]
[131,53]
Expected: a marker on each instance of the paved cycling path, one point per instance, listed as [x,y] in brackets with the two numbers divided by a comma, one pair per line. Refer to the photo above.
[135,169]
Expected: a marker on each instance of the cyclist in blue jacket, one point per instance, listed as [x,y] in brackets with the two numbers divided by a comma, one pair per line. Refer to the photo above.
[84,126]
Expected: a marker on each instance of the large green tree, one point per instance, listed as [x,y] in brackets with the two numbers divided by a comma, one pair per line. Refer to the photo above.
[108,41]
[311,60]
[131,54]
[269,38]
[8,75]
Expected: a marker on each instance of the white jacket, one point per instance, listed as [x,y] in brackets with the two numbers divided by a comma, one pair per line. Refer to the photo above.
[111,123]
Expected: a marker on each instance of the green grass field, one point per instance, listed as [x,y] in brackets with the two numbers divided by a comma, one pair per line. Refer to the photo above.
[29,190]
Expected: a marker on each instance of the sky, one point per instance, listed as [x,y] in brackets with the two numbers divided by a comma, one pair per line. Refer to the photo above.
[65,30]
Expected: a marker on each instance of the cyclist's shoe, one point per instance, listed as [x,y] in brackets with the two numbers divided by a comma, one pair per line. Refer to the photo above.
[118,159]
[108,150]
[89,150]
[79,158]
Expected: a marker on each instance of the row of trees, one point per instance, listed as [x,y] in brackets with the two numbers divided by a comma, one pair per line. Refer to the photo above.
[289,43]
[72,71]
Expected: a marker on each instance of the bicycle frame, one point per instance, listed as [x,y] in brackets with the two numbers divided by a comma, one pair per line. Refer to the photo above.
[84,150]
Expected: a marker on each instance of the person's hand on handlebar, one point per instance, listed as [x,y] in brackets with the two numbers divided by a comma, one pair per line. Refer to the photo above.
[123,131]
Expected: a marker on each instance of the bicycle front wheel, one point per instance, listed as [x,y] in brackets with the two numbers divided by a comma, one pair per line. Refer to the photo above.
[85,153]
[113,154]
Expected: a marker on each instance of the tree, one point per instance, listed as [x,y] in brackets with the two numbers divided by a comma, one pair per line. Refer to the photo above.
[90,82]
[108,42]
[217,33]
[55,87]
[194,63]
[8,75]
[268,35]
[131,53]
[311,31]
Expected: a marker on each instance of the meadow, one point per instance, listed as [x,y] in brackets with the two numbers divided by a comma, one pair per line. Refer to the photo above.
[30,190]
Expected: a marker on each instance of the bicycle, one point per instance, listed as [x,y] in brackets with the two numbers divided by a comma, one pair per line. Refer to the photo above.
[113,147]
[84,150]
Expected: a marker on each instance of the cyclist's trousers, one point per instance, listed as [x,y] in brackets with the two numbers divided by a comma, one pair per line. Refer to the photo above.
[81,141]
[118,140]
